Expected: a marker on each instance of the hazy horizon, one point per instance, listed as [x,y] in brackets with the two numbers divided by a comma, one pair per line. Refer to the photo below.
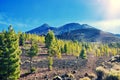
[25,15]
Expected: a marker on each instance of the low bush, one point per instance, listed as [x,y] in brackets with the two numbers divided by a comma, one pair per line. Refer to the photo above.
[57,78]
[113,75]
[104,74]
[85,78]
[32,70]
[101,73]
[70,75]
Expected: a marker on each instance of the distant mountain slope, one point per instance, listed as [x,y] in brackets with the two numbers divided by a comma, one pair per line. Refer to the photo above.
[42,30]
[72,26]
[76,31]
[118,35]
[89,35]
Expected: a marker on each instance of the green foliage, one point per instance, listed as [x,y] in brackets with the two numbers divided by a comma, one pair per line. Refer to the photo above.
[113,75]
[32,70]
[75,48]
[65,48]
[50,62]
[9,55]
[34,37]
[114,45]
[104,74]
[101,73]
[22,39]
[98,52]
[83,54]
[32,52]
[53,47]
[49,39]
[70,75]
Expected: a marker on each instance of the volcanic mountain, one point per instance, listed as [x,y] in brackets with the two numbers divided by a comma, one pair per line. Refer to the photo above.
[76,31]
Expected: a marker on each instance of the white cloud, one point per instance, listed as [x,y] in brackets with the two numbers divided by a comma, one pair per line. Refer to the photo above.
[6,21]
[109,11]
[107,25]
[111,8]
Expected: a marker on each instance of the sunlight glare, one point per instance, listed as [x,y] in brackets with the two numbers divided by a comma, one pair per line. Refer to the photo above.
[113,9]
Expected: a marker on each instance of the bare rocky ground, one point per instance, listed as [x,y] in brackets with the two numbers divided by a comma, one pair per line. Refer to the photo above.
[67,64]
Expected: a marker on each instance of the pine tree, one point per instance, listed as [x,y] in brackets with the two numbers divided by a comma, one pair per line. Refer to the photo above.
[83,54]
[52,50]
[66,48]
[22,39]
[50,62]
[9,55]
[31,53]
[49,39]
[98,52]
[53,46]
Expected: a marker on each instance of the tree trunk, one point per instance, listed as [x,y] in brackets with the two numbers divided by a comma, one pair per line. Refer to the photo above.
[30,64]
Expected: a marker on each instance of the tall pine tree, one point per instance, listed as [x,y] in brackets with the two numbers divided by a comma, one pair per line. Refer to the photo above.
[53,48]
[83,54]
[9,55]
[49,39]
[21,39]
[32,52]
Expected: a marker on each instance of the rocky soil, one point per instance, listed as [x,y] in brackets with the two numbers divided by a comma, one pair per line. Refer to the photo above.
[68,64]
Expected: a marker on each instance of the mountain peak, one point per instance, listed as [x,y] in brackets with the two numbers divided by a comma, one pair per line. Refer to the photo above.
[71,24]
[86,26]
[41,30]
[45,25]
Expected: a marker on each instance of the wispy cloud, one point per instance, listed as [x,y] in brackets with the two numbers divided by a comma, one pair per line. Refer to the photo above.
[3,22]
[110,8]
[6,21]
[107,25]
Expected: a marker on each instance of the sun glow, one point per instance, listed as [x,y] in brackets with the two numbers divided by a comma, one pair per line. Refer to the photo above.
[110,9]
[113,9]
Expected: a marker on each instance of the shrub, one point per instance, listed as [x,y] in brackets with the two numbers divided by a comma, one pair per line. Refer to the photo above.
[70,75]
[104,74]
[32,70]
[113,75]
[85,78]
[57,78]
[101,73]
[90,75]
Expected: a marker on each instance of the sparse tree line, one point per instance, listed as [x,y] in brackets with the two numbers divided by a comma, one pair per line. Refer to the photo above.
[10,51]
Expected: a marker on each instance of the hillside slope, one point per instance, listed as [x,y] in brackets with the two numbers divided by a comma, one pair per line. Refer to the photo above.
[76,31]
[89,35]
[43,29]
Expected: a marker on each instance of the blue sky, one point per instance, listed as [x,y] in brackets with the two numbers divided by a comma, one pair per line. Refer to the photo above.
[28,14]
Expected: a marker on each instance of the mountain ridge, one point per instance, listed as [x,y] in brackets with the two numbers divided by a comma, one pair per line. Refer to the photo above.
[58,30]
[89,35]
[76,31]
